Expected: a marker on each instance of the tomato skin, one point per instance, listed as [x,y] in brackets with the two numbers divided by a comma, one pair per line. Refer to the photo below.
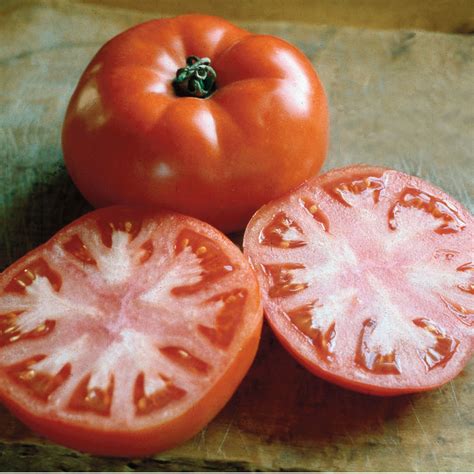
[128,139]
[321,190]
[100,438]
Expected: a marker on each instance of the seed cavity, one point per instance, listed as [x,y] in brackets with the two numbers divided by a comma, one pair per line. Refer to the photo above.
[227,319]
[10,331]
[373,360]
[39,384]
[213,261]
[30,274]
[146,251]
[281,278]
[318,215]
[283,232]
[323,340]
[466,267]
[148,403]
[76,247]
[185,359]
[442,351]
[463,314]
[468,287]
[344,191]
[444,211]
[124,224]
[445,254]
[93,399]
[25,277]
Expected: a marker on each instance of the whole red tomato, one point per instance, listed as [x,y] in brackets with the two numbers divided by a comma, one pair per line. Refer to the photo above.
[195,115]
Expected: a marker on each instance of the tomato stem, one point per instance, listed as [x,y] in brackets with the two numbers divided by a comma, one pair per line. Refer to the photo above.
[196,79]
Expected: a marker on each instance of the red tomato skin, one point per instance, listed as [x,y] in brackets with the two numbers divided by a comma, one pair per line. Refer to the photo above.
[127,138]
[158,438]
[289,337]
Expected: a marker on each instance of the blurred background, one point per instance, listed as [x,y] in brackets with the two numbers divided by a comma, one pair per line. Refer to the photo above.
[449,16]
[398,74]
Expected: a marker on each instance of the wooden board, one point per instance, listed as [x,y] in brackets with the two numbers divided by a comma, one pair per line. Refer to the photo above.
[398,98]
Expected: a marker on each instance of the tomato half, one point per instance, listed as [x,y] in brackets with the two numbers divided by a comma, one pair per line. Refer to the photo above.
[367,279]
[261,128]
[127,331]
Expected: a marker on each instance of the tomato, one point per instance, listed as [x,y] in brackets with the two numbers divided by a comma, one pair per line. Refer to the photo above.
[127,331]
[367,279]
[132,136]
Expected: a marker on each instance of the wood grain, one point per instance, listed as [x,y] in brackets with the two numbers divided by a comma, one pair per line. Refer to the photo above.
[452,16]
[398,98]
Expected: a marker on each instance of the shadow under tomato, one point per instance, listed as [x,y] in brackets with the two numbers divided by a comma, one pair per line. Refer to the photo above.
[34,215]
[281,401]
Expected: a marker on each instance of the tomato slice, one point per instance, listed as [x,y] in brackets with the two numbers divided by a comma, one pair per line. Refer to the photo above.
[127,331]
[367,279]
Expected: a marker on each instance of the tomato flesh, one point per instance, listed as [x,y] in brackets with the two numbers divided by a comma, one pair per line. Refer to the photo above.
[367,279]
[119,328]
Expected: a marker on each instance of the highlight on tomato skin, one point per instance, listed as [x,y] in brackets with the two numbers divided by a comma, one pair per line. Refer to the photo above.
[127,332]
[195,115]
[367,279]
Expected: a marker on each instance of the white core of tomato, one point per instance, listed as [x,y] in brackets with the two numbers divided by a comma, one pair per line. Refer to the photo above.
[53,363]
[128,347]
[393,329]
[411,223]
[39,304]
[431,276]
[187,270]
[342,257]
[323,315]
[115,263]
[103,368]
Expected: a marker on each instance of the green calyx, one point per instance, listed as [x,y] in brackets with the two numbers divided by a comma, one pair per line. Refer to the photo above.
[196,79]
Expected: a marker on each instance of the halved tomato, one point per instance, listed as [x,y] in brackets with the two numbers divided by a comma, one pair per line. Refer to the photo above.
[367,279]
[127,331]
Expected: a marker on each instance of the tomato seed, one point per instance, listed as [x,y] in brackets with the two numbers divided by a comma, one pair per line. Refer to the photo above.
[201,250]
[27,375]
[30,274]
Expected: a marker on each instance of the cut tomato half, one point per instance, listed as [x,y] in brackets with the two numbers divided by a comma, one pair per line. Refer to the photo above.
[367,279]
[127,331]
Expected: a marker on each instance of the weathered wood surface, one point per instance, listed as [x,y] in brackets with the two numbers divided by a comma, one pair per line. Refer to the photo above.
[400,99]
[449,16]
